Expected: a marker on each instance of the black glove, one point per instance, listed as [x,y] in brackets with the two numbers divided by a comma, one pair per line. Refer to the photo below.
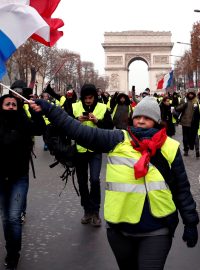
[190,235]
[45,105]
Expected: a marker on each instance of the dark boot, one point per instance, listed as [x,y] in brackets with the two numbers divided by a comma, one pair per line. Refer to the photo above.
[11,261]
[96,220]
[86,218]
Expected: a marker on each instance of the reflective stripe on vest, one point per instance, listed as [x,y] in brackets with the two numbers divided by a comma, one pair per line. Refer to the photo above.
[122,161]
[99,111]
[125,196]
[131,188]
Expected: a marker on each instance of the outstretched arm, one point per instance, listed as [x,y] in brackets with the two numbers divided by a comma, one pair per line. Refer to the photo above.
[96,139]
[52,93]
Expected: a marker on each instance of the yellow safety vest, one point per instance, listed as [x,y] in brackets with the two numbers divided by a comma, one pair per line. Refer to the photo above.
[125,196]
[46,120]
[115,109]
[62,101]
[26,109]
[98,112]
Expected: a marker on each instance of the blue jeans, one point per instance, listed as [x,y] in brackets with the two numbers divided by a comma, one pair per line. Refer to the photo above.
[13,193]
[90,197]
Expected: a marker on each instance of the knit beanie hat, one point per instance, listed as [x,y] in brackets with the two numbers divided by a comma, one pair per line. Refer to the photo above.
[87,90]
[149,107]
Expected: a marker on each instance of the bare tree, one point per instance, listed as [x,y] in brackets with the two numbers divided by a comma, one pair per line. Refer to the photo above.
[195,46]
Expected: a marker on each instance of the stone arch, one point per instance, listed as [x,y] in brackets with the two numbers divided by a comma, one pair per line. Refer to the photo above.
[121,48]
[132,58]
[145,58]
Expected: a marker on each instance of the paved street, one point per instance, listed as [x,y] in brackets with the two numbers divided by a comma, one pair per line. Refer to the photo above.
[53,237]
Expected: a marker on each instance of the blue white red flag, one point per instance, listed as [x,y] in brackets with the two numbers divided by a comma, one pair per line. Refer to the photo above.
[46,8]
[18,22]
[166,81]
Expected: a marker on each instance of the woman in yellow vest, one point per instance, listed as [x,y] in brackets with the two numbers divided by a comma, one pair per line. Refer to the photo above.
[146,185]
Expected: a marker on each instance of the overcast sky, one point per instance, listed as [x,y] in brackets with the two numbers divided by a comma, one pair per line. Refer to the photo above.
[86,21]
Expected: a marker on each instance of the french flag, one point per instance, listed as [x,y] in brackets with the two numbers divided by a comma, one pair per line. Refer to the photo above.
[18,22]
[46,8]
[166,81]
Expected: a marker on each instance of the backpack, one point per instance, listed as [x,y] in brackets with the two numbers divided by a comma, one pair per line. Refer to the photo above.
[64,152]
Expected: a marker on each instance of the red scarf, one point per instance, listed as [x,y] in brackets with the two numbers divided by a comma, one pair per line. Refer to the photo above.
[147,147]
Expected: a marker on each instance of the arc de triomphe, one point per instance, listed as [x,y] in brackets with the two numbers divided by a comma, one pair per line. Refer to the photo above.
[122,48]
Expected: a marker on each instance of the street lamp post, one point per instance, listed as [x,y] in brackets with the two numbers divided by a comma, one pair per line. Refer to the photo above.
[198,60]
[186,43]
[175,55]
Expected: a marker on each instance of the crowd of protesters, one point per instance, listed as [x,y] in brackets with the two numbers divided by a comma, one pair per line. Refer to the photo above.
[146,181]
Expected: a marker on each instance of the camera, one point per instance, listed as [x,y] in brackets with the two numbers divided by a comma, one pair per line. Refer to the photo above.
[86,113]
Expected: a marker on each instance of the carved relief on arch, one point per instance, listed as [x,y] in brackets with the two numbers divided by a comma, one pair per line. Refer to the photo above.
[114,82]
[145,56]
[161,59]
[114,60]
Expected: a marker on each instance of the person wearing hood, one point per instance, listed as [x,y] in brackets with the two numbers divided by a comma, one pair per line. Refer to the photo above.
[146,185]
[121,110]
[91,113]
[190,116]
[16,131]
[166,116]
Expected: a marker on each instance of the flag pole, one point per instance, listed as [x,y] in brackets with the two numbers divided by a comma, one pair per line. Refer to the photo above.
[15,92]
[59,68]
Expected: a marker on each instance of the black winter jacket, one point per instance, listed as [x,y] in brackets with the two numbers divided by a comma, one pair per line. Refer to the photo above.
[16,131]
[106,140]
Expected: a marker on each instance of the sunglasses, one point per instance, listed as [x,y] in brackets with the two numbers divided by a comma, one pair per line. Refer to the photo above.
[11,103]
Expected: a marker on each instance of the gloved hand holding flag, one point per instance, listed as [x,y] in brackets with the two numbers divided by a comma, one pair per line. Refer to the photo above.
[21,19]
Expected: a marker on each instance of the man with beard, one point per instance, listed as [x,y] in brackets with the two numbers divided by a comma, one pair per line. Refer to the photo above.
[189,107]
[16,131]
[91,113]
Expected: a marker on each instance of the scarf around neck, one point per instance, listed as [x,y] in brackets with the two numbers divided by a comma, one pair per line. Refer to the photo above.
[146,141]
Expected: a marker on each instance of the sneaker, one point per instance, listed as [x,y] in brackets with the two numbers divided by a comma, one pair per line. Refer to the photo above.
[23,218]
[96,220]
[197,154]
[11,262]
[11,267]
[86,218]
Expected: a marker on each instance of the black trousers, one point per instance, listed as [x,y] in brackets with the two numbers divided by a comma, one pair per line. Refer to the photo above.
[88,168]
[189,136]
[139,253]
